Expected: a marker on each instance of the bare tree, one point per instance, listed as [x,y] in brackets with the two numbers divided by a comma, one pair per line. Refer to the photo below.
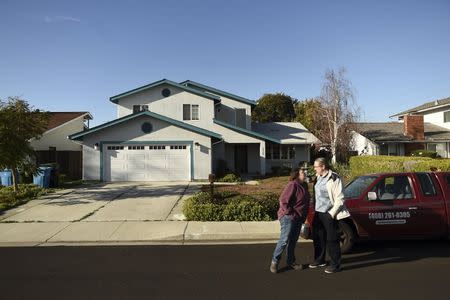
[338,113]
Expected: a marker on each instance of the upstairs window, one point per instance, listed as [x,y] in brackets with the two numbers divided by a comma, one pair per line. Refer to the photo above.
[447,116]
[240,116]
[136,108]
[190,112]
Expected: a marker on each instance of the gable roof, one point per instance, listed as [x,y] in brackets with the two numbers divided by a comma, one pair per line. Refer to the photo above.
[203,87]
[286,132]
[160,82]
[428,105]
[79,135]
[246,131]
[393,132]
[59,118]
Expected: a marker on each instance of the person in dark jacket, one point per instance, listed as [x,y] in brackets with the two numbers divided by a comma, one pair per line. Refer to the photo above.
[294,203]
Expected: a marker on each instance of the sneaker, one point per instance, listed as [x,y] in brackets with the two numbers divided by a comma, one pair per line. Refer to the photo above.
[316,265]
[330,269]
[295,266]
[274,267]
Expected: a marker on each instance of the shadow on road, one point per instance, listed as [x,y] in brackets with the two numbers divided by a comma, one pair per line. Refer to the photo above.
[373,253]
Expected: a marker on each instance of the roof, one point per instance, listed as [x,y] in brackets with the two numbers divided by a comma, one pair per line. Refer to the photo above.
[79,135]
[59,118]
[286,132]
[246,131]
[161,82]
[203,87]
[428,105]
[393,132]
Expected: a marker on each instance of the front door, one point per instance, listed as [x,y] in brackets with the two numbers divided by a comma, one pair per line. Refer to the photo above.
[240,159]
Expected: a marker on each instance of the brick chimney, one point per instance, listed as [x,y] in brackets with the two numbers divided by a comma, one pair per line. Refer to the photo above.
[413,127]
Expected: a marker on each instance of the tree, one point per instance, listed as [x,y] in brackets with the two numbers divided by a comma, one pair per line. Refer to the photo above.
[274,108]
[18,124]
[307,111]
[338,113]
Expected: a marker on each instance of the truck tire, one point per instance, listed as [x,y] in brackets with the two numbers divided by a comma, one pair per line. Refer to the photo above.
[347,236]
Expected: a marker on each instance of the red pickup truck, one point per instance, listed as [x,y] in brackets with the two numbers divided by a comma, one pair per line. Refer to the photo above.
[396,206]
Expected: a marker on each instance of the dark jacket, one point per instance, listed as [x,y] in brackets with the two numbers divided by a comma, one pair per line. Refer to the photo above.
[294,201]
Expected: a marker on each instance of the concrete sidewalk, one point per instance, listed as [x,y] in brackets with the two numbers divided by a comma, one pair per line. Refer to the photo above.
[122,214]
[136,232]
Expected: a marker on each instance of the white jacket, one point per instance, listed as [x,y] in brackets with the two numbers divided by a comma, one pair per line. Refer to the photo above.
[336,194]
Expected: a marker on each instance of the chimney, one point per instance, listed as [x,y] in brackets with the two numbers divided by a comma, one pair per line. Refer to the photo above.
[413,127]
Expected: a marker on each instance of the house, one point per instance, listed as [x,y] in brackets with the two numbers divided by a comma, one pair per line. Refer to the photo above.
[184,131]
[423,127]
[54,147]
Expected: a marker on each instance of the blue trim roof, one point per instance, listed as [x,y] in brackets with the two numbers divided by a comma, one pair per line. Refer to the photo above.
[79,135]
[217,91]
[246,131]
[160,82]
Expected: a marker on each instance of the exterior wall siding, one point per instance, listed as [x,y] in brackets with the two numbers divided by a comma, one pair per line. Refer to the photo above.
[171,106]
[436,117]
[226,111]
[58,137]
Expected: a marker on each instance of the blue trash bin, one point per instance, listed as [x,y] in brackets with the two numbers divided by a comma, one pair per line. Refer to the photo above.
[6,177]
[42,179]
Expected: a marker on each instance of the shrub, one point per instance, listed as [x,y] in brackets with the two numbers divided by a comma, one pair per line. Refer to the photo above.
[361,165]
[231,177]
[231,206]
[9,199]
[424,153]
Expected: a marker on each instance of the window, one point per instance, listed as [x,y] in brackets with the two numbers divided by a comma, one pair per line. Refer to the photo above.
[194,112]
[447,116]
[190,112]
[240,115]
[448,180]
[114,147]
[135,147]
[426,184]
[275,151]
[158,147]
[165,92]
[393,188]
[178,147]
[357,186]
[136,108]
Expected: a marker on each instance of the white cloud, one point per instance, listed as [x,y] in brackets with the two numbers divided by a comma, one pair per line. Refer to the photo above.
[57,19]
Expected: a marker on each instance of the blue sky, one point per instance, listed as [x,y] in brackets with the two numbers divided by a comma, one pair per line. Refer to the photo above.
[74,55]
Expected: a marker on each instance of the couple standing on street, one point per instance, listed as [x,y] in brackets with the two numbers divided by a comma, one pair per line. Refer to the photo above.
[329,207]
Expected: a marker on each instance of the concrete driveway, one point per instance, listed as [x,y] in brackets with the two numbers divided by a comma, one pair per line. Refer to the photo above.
[129,201]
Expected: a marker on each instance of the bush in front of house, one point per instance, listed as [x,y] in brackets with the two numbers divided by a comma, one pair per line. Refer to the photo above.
[9,199]
[424,153]
[231,206]
[231,177]
[362,165]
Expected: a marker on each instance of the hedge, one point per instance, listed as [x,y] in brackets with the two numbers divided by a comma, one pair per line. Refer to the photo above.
[231,206]
[362,165]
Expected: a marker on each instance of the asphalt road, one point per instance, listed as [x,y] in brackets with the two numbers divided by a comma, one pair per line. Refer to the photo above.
[381,270]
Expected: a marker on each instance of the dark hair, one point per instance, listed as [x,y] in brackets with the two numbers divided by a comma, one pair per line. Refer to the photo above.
[323,162]
[295,173]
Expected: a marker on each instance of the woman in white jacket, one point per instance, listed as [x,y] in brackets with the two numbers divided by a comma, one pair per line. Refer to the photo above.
[329,207]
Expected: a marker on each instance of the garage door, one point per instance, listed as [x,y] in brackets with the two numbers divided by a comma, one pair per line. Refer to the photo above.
[146,162]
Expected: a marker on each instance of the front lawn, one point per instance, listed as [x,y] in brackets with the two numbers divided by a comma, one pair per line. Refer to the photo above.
[238,202]
[26,192]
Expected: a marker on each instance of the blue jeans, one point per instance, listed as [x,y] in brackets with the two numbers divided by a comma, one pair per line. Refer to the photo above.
[290,231]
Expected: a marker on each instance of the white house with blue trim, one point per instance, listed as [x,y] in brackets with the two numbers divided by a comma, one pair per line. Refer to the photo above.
[168,131]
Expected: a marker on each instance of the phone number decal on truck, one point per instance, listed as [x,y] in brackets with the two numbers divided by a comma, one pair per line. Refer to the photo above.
[389,215]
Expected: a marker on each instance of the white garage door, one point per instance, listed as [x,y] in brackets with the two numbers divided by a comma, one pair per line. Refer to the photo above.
[146,162]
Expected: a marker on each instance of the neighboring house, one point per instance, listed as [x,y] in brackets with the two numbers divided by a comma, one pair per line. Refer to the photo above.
[54,146]
[185,131]
[424,127]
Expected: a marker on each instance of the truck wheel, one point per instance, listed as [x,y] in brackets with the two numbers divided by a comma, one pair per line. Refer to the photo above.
[347,237]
